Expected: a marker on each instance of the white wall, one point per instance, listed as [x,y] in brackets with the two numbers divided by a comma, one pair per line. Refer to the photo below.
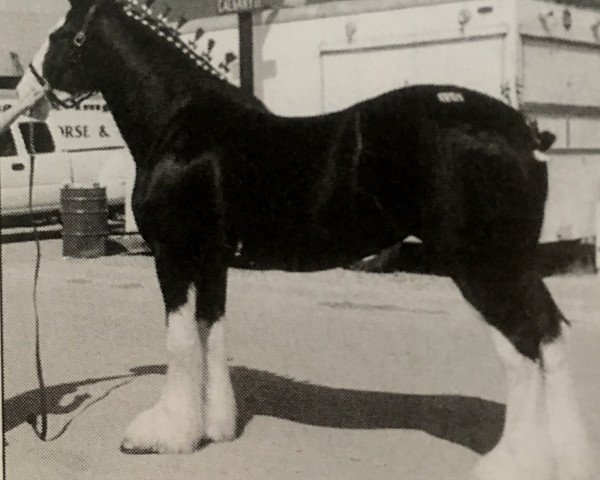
[288,54]
[307,63]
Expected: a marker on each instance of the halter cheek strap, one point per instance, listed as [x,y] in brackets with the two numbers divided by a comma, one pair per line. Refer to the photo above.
[78,41]
[79,38]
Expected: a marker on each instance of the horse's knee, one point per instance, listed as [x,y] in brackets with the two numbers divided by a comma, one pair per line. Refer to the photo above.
[513,354]
[518,306]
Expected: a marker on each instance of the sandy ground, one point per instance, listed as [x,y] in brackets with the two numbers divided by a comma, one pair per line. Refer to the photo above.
[338,375]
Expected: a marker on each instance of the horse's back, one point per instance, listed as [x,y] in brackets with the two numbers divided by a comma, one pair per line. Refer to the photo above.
[447,106]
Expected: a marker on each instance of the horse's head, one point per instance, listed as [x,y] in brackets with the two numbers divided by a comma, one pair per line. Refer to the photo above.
[111,46]
[58,62]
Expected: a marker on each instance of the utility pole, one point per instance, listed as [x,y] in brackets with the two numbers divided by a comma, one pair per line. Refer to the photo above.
[244,10]
[246,35]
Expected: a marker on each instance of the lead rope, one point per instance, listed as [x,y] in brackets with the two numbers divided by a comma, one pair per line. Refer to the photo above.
[32,417]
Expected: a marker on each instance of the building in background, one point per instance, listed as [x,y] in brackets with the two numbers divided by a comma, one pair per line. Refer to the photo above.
[314,56]
[542,57]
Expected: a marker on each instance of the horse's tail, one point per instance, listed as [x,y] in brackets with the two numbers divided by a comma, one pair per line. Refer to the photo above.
[544,140]
[538,190]
[539,168]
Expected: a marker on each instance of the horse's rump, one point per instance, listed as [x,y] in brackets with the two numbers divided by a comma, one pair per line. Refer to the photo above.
[484,200]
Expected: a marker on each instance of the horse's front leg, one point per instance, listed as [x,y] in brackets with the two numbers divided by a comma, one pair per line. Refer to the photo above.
[221,411]
[197,401]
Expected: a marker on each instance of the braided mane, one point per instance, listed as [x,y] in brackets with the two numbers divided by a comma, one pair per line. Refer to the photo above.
[169,31]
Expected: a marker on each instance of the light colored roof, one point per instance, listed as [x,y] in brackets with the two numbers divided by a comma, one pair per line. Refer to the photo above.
[313,9]
[298,9]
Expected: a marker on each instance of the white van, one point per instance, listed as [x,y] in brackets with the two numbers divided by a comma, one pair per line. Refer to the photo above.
[70,147]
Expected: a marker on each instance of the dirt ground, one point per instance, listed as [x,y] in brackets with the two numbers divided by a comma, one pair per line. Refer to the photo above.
[338,375]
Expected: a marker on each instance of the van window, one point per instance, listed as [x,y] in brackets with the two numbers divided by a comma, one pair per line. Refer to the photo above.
[7,145]
[41,136]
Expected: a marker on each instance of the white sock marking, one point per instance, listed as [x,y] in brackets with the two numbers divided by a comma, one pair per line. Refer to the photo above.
[523,452]
[568,437]
[221,408]
[176,422]
[186,343]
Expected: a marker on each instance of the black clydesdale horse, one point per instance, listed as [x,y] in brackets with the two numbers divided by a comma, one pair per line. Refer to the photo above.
[215,169]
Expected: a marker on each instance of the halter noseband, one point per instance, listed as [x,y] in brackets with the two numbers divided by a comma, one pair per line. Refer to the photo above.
[78,41]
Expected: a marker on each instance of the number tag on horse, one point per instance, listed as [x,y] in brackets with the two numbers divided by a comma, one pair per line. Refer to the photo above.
[450,97]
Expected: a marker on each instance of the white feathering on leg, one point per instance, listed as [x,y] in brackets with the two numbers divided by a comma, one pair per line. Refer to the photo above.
[176,423]
[569,440]
[523,452]
[221,407]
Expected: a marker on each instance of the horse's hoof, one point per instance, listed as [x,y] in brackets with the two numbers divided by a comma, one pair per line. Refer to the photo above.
[222,419]
[156,431]
[129,448]
[221,431]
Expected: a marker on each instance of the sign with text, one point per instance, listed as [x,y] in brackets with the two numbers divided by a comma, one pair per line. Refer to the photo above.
[237,6]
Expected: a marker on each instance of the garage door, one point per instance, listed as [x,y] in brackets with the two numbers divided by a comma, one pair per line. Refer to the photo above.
[561,73]
[354,73]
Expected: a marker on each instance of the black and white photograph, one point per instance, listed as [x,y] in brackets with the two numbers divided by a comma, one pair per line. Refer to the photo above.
[300,239]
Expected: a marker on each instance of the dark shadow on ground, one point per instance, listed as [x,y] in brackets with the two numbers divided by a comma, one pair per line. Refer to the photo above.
[468,421]
[16,409]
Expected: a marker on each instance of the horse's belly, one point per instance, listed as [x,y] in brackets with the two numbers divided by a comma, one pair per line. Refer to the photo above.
[335,240]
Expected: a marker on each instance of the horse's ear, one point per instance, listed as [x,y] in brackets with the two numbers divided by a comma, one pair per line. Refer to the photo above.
[76,3]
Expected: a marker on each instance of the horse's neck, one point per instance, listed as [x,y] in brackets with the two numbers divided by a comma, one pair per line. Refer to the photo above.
[141,100]
[141,110]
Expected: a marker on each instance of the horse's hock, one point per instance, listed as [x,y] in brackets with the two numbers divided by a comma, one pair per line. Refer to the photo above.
[84,214]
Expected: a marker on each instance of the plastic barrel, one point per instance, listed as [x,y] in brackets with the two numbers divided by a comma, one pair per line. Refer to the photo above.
[85,221]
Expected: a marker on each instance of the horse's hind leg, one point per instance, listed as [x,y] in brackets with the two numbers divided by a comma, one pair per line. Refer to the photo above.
[524,451]
[568,437]
[527,326]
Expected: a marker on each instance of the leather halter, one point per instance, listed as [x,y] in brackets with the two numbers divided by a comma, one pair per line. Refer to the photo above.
[78,41]
[79,38]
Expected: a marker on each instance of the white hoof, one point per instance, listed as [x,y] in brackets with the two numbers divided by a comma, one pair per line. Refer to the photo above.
[222,422]
[160,430]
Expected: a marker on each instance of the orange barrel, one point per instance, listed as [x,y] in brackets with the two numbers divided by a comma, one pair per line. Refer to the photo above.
[84,214]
